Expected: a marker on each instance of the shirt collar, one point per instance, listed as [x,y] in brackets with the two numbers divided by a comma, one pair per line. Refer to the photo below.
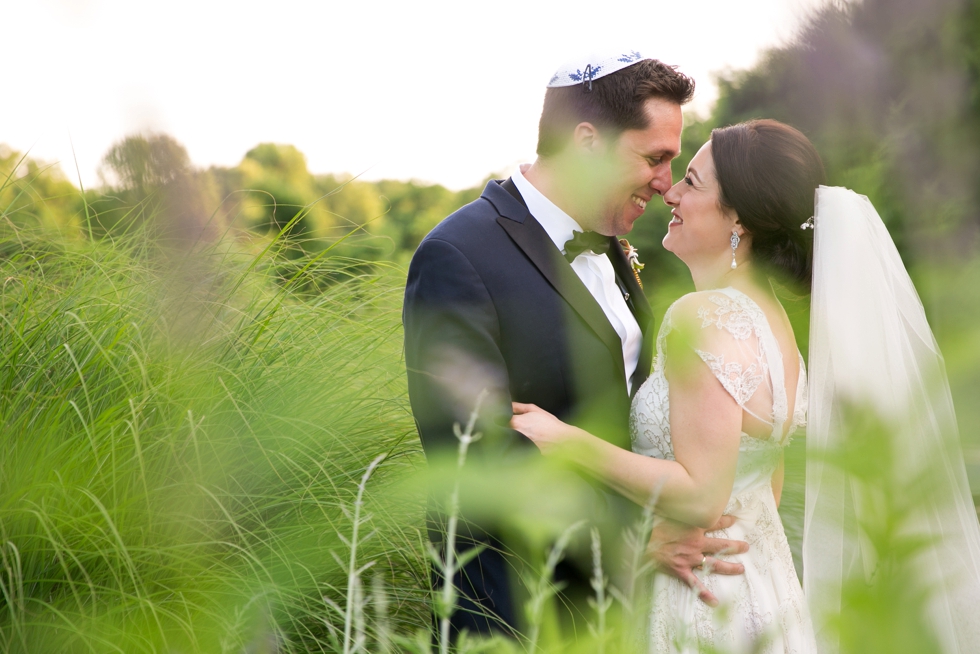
[558,224]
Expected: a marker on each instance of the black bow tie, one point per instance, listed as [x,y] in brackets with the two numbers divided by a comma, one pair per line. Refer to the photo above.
[585,241]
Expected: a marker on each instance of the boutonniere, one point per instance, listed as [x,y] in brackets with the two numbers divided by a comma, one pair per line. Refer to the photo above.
[633,256]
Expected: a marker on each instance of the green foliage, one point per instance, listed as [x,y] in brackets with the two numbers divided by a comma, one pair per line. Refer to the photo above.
[149,184]
[279,188]
[412,210]
[142,162]
[34,193]
[951,295]
[377,221]
[180,437]
[889,94]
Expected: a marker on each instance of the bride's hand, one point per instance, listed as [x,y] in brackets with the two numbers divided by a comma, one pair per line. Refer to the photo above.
[544,429]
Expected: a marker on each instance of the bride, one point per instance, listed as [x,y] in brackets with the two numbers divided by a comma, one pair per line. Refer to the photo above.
[729,389]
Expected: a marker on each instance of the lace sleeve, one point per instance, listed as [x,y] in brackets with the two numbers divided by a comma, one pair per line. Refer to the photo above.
[727,338]
[741,380]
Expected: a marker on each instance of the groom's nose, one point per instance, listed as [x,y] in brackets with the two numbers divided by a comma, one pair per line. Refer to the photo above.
[662,179]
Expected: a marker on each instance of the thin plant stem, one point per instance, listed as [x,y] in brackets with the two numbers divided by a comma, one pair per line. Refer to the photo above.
[543,588]
[449,569]
[353,573]
[600,602]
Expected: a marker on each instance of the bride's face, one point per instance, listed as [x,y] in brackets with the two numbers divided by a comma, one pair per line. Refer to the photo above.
[701,230]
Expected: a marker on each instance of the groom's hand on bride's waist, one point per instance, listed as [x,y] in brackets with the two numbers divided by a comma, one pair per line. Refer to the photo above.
[678,549]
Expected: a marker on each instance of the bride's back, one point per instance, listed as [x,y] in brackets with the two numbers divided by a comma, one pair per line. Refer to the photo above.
[745,338]
[782,331]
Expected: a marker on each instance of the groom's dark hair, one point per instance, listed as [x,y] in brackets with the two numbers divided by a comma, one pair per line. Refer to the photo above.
[614,104]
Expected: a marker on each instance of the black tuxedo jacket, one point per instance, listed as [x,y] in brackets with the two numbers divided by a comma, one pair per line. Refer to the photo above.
[492,304]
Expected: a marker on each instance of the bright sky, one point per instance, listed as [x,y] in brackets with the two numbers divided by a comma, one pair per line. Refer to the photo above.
[437,90]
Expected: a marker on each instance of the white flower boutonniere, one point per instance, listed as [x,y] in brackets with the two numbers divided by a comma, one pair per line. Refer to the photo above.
[633,256]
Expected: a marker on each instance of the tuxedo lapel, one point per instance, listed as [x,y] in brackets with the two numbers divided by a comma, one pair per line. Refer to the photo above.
[528,234]
[531,238]
[641,311]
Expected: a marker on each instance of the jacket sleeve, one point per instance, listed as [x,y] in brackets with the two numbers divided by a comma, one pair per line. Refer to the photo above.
[452,350]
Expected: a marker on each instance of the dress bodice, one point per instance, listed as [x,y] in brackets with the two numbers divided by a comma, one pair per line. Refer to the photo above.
[738,346]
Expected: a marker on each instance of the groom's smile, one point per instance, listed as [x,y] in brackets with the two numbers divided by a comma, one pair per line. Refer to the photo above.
[639,166]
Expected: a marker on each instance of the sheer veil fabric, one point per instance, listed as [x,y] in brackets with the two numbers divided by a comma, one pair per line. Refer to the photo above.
[871,346]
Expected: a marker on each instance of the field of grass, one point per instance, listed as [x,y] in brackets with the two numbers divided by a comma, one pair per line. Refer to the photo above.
[181,436]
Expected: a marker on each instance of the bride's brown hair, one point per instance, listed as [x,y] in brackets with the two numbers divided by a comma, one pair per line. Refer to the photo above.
[768,173]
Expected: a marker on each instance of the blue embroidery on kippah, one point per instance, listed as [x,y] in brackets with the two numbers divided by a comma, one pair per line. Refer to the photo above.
[553,79]
[631,57]
[579,76]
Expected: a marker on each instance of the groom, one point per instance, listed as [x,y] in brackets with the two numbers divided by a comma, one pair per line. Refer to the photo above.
[527,293]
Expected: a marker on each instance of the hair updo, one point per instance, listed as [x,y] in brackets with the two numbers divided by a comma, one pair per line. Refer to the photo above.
[768,173]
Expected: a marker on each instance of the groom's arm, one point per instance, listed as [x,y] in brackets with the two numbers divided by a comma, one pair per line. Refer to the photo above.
[452,349]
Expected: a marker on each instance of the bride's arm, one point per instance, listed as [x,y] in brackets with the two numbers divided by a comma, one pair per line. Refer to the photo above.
[705,425]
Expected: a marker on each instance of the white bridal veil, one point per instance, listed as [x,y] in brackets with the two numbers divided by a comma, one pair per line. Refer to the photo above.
[871,346]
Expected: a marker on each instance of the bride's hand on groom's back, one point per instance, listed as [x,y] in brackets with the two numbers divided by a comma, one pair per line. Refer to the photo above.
[678,549]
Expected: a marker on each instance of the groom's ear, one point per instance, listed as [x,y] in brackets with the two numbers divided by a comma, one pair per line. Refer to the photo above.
[586,138]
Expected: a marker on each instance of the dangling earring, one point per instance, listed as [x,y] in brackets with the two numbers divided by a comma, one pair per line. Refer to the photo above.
[735,240]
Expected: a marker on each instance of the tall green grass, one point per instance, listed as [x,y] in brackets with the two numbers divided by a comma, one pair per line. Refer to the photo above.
[180,434]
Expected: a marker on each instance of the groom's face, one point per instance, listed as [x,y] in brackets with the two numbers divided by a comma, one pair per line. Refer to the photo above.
[636,167]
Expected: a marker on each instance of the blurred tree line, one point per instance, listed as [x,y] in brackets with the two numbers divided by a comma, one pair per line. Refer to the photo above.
[149,182]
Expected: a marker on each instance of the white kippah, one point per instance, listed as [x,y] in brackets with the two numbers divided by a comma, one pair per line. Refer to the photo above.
[591,68]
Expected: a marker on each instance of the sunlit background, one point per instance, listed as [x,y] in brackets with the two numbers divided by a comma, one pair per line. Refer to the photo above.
[440,90]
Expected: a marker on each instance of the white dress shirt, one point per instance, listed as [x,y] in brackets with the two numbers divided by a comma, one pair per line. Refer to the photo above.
[595,271]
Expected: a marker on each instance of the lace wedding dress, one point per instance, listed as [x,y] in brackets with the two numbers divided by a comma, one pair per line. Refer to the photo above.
[763,610]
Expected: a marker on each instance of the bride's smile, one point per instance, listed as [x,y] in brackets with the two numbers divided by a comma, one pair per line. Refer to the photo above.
[700,232]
